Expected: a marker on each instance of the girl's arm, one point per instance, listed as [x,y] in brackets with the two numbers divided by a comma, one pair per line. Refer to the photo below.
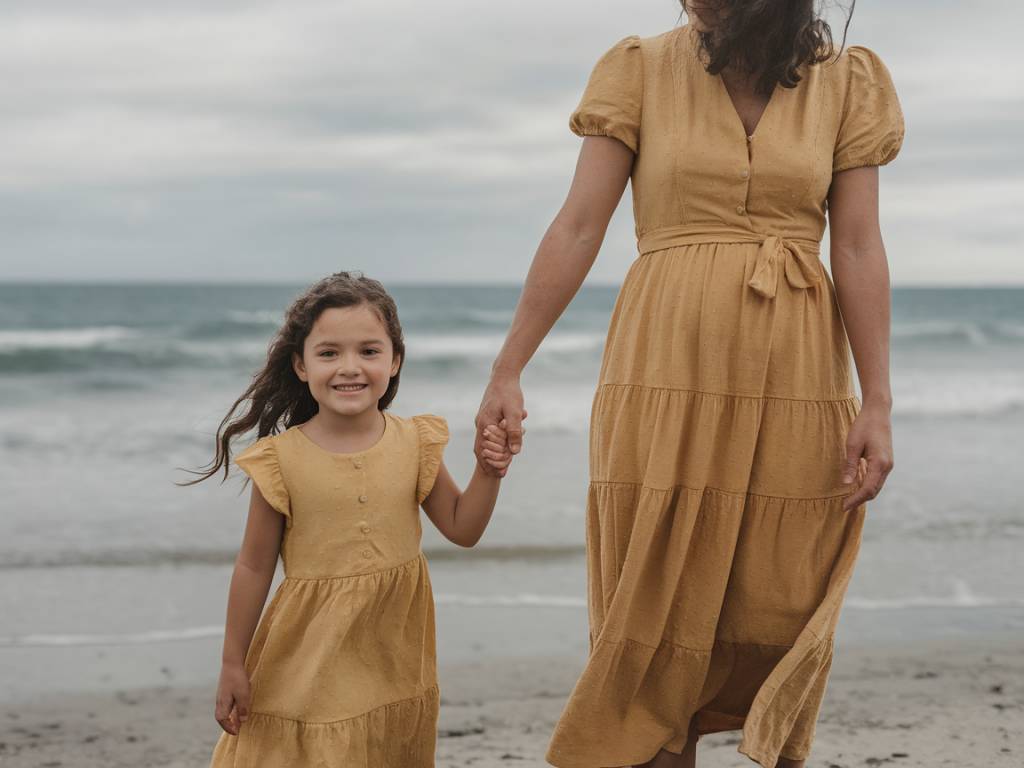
[563,259]
[860,272]
[462,516]
[250,583]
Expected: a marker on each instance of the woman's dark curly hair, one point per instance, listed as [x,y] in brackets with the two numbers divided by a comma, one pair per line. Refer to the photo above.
[768,39]
[277,397]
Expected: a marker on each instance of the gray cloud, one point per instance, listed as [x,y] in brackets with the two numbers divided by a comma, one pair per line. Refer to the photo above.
[265,140]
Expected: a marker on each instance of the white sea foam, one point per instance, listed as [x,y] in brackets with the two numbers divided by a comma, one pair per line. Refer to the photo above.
[543,601]
[128,638]
[940,329]
[255,317]
[1012,330]
[957,393]
[962,597]
[63,338]
[423,347]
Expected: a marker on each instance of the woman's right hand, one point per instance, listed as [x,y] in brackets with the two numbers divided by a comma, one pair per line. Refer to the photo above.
[233,697]
[503,399]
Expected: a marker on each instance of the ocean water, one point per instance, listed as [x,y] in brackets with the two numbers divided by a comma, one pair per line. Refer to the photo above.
[106,390]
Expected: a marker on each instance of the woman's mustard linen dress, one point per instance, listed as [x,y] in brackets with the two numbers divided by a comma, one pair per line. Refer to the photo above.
[718,551]
[342,664]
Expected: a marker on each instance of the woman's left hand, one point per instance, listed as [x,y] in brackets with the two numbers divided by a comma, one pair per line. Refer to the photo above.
[870,440]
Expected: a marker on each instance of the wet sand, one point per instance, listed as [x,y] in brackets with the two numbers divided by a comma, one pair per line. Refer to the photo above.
[955,701]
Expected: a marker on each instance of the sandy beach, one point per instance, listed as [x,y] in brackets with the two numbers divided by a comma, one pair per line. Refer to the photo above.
[951,701]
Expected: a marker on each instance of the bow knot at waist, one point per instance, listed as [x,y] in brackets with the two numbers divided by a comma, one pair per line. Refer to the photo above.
[797,257]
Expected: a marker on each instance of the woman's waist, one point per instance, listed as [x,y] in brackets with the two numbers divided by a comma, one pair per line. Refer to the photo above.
[664,238]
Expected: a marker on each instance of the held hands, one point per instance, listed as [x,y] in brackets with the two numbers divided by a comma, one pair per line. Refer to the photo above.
[233,697]
[494,451]
[868,455]
[499,429]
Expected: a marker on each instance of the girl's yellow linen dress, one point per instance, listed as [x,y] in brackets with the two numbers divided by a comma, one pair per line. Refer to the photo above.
[718,551]
[342,664]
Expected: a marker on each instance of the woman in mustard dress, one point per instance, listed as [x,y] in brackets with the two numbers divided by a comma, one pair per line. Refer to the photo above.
[730,458]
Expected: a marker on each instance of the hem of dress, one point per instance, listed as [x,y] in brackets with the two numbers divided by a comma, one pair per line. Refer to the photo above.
[758,754]
[763,759]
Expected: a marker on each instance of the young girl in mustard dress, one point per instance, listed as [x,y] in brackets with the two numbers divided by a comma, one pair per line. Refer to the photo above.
[341,671]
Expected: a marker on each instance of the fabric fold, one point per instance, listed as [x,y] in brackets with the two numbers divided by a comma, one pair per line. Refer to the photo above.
[259,461]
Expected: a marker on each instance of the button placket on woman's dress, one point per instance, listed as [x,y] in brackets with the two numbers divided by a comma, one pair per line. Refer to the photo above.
[744,174]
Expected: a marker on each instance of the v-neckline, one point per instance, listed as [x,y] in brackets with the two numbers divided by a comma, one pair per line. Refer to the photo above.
[739,118]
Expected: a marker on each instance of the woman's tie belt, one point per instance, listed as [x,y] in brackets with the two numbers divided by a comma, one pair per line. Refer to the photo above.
[799,256]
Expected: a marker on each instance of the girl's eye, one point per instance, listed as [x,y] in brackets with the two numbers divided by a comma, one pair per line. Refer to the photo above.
[326,353]
[372,351]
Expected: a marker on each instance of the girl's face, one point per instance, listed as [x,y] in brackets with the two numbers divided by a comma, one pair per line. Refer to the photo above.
[347,360]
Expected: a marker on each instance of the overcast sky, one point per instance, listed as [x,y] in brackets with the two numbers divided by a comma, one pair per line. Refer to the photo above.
[230,140]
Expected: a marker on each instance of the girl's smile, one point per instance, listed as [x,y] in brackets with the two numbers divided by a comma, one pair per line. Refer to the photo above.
[347,361]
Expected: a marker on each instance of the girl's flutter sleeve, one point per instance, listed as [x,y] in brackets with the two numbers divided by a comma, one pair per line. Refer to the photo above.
[871,127]
[612,100]
[259,461]
[433,434]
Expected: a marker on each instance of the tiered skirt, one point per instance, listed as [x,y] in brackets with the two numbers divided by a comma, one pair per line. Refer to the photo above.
[343,673]
[718,550]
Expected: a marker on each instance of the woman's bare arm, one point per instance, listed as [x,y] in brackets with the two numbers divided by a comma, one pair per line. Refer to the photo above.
[860,272]
[562,261]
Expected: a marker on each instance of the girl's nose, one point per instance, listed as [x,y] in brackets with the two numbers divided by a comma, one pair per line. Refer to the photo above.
[348,366]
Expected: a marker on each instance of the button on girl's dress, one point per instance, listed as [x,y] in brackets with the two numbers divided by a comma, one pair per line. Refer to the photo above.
[365,529]
[362,499]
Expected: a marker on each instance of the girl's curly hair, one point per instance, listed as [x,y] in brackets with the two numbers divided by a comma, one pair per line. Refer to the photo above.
[276,397]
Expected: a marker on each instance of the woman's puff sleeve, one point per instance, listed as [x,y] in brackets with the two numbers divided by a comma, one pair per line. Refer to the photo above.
[871,127]
[259,461]
[433,434]
[612,100]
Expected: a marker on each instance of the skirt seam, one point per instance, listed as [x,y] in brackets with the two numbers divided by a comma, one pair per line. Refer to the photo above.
[427,692]
[846,399]
[648,646]
[400,566]
[720,490]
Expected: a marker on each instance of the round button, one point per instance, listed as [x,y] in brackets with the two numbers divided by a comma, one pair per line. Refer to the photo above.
[365,529]
[367,554]
[744,173]
[362,499]
[740,210]
[358,463]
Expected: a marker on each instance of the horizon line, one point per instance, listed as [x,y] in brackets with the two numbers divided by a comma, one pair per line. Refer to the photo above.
[19,282]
